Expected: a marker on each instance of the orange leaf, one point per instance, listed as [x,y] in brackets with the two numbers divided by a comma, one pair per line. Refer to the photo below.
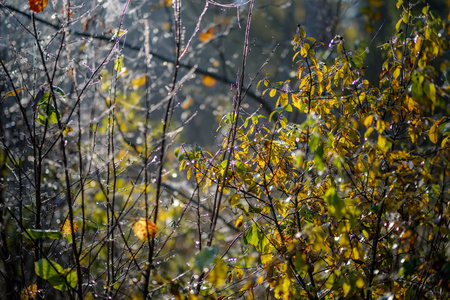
[13,93]
[66,229]
[37,6]
[208,80]
[206,36]
[143,228]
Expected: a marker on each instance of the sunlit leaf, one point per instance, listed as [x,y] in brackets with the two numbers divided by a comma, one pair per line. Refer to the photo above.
[433,133]
[206,36]
[239,222]
[13,93]
[187,103]
[66,229]
[41,233]
[58,277]
[208,80]
[143,228]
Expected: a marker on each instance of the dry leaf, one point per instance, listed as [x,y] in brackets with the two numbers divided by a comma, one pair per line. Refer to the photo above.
[29,292]
[206,36]
[143,228]
[66,229]
[13,93]
[37,6]
[208,80]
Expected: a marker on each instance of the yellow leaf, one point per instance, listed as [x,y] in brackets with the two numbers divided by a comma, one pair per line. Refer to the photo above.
[376,3]
[218,275]
[272,92]
[239,222]
[137,82]
[168,2]
[303,52]
[66,229]
[67,130]
[368,121]
[433,133]
[382,143]
[206,36]
[208,80]
[360,283]
[187,103]
[239,272]
[13,93]
[346,288]
[412,135]
[396,73]
[144,228]
[381,126]
[37,6]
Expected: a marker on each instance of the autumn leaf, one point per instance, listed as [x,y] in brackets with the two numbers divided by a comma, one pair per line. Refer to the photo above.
[208,81]
[29,292]
[433,133]
[206,36]
[66,229]
[13,93]
[137,82]
[37,6]
[143,228]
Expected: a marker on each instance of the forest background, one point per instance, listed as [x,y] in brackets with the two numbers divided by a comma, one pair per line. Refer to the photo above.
[211,150]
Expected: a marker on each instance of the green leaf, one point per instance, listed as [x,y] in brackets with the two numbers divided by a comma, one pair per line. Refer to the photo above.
[206,257]
[55,274]
[251,236]
[335,205]
[40,233]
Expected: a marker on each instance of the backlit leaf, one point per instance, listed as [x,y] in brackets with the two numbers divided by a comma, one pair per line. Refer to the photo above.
[40,233]
[433,133]
[140,81]
[144,228]
[13,93]
[206,36]
[66,229]
[208,81]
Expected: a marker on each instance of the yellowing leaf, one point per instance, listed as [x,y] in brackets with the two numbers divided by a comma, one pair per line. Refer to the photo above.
[66,229]
[13,93]
[239,222]
[206,36]
[168,2]
[346,288]
[37,6]
[187,103]
[29,292]
[208,80]
[118,63]
[433,133]
[144,228]
[218,274]
[383,143]
[239,272]
[368,121]
[139,81]
[396,73]
[67,130]
[272,92]
[360,283]
[376,3]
